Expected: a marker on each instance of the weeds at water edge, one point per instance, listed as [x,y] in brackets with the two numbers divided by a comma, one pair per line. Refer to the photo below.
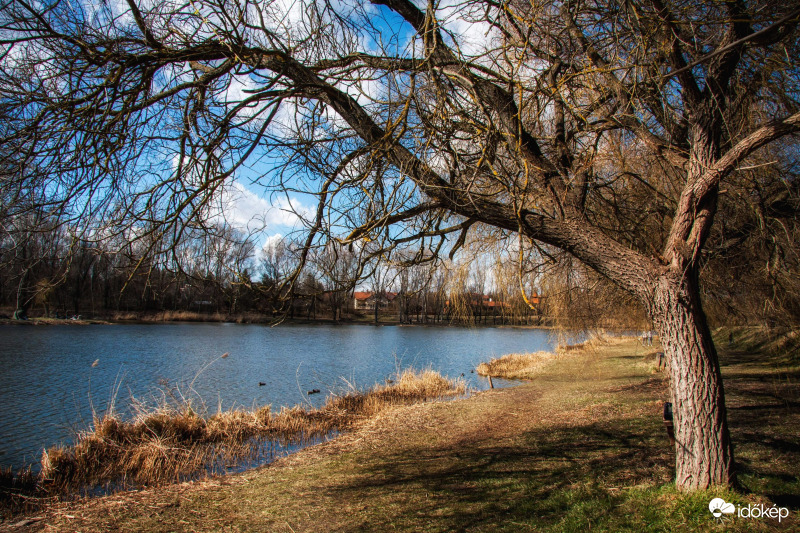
[173,441]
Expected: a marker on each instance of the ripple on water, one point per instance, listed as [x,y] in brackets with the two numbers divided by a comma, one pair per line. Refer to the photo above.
[49,388]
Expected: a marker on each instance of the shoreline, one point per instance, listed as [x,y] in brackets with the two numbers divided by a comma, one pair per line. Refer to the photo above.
[40,321]
[172,442]
[550,455]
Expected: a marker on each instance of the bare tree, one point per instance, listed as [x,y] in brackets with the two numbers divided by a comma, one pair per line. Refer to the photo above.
[139,117]
[752,274]
[418,278]
[338,269]
[279,260]
[381,277]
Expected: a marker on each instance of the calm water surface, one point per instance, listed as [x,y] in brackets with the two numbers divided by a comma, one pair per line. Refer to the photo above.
[48,386]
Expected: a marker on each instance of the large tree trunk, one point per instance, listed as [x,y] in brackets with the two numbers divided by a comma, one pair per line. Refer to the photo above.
[704,454]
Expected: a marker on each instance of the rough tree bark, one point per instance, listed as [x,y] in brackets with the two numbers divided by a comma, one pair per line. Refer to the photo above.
[703,449]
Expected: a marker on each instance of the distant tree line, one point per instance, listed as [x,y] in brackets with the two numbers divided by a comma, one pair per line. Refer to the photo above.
[49,269]
[59,272]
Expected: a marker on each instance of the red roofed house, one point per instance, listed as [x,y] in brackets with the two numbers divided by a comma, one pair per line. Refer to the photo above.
[365,301]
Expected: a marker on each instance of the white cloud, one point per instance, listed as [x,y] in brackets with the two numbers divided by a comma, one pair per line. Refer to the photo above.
[271,243]
[244,209]
[472,34]
[285,18]
[285,118]
[239,89]
[120,13]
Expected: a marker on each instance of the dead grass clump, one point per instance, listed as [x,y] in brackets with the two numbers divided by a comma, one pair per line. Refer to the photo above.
[183,425]
[16,490]
[124,316]
[516,365]
[156,446]
[409,387]
[171,443]
[597,339]
[159,460]
[236,425]
[170,316]
[188,316]
[298,424]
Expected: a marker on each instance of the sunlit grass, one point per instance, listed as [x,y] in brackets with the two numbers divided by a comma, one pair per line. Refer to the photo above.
[528,365]
[516,365]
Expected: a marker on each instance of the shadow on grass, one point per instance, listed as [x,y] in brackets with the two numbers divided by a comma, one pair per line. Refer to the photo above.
[615,475]
[543,478]
[764,415]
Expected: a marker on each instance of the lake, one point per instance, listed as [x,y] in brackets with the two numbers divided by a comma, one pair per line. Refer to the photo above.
[49,384]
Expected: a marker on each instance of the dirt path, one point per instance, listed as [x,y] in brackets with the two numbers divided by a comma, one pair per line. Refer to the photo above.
[581,444]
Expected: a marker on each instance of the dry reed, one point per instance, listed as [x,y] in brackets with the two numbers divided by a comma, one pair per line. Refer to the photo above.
[528,365]
[18,490]
[173,442]
[516,365]
[190,316]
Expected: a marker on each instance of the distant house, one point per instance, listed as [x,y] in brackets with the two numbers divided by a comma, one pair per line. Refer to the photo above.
[482,301]
[487,302]
[535,299]
[365,301]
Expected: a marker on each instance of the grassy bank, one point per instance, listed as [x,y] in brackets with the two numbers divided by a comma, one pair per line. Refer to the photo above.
[781,346]
[531,365]
[580,447]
